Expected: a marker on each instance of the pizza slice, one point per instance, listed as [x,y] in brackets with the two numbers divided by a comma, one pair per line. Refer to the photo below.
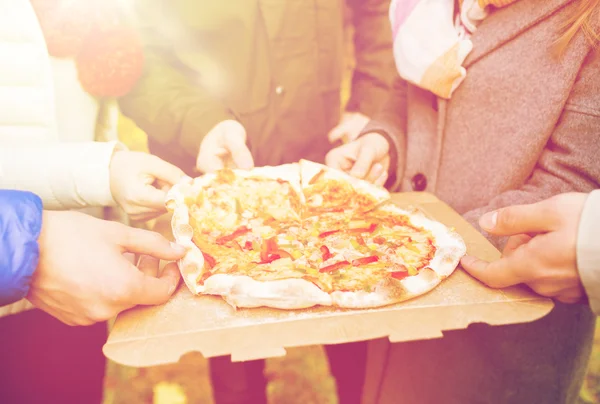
[329,190]
[385,256]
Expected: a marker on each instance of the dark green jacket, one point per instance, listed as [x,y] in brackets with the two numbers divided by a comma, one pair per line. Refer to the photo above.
[276,66]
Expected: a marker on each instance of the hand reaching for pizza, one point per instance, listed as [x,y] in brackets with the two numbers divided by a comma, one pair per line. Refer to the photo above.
[224,146]
[83,276]
[365,158]
[350,126]
[541,251]
[138,182]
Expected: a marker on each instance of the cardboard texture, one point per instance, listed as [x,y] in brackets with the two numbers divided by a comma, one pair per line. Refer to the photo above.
[147,336]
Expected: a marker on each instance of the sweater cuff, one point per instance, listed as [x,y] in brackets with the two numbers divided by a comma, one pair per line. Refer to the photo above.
[92,173]
[588,249]
[397,146]
[21,222]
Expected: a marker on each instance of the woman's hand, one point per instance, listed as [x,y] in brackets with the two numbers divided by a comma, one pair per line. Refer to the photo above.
[366,158]
[139,181]
[350,126]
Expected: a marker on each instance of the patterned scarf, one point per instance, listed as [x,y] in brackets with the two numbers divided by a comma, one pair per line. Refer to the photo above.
[431,44]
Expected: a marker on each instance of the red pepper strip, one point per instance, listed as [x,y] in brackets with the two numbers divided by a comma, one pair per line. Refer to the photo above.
[369,229]
[204,277]
[334,267]
[365,260]
[268,246]
[248,245]
[316,177]
[379,240]
[399,275]
[270,258]
[226,239]
[327,233]
[360,240]
[209,260]
[236,245]
[325,252]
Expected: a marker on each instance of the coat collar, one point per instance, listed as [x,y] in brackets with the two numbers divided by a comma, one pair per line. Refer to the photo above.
[508,22]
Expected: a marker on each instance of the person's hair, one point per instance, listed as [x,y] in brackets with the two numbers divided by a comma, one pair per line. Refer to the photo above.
[585,18]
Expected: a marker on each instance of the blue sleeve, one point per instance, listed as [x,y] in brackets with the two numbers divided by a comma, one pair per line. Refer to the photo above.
[20,226]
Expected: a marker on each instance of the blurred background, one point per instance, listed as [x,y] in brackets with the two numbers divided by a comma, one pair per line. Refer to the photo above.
[301,377]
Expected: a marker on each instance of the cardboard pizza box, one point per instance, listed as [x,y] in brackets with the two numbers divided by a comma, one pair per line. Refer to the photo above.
[147,336]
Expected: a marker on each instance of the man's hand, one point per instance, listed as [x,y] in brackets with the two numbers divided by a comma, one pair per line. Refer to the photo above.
[350,126]
[224,146]
[83,275]
[366,158]
[138,182]
[542,250]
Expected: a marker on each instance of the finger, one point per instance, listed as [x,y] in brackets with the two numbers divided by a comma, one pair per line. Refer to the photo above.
[375,172]
[152,200]
[364,160]
[497,274]
[337,133]
[515,242]
[148,242]
[149,265]
[534,218]
[343,157]
[153,291]
[239,152]
[208,162]
[165,172]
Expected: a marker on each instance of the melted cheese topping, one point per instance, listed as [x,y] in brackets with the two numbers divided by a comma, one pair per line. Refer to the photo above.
[256,228]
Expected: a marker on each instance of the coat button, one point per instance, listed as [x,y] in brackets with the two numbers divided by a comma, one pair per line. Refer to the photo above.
[279,90]
[419,182]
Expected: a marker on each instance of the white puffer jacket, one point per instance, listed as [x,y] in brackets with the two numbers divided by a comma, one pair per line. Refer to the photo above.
[47,122]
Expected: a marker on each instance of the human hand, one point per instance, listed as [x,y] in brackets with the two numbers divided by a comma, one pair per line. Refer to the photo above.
[83,275]
[366,158]
[541,251]
[139,181]
[350,126]
[224,146]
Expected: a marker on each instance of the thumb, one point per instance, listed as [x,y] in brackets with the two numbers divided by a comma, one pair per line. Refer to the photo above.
[163,171]
[151,290]
[235,144]
[342,157]
[147,242]
[518,219]
[153,198]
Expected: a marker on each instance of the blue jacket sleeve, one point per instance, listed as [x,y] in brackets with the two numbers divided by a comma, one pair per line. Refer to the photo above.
[20,226]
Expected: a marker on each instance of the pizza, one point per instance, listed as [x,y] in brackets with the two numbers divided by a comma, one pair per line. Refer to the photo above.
[301,235]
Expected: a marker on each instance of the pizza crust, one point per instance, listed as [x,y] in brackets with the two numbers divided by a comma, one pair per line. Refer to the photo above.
[191,265]
[286,172]
[243,291]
